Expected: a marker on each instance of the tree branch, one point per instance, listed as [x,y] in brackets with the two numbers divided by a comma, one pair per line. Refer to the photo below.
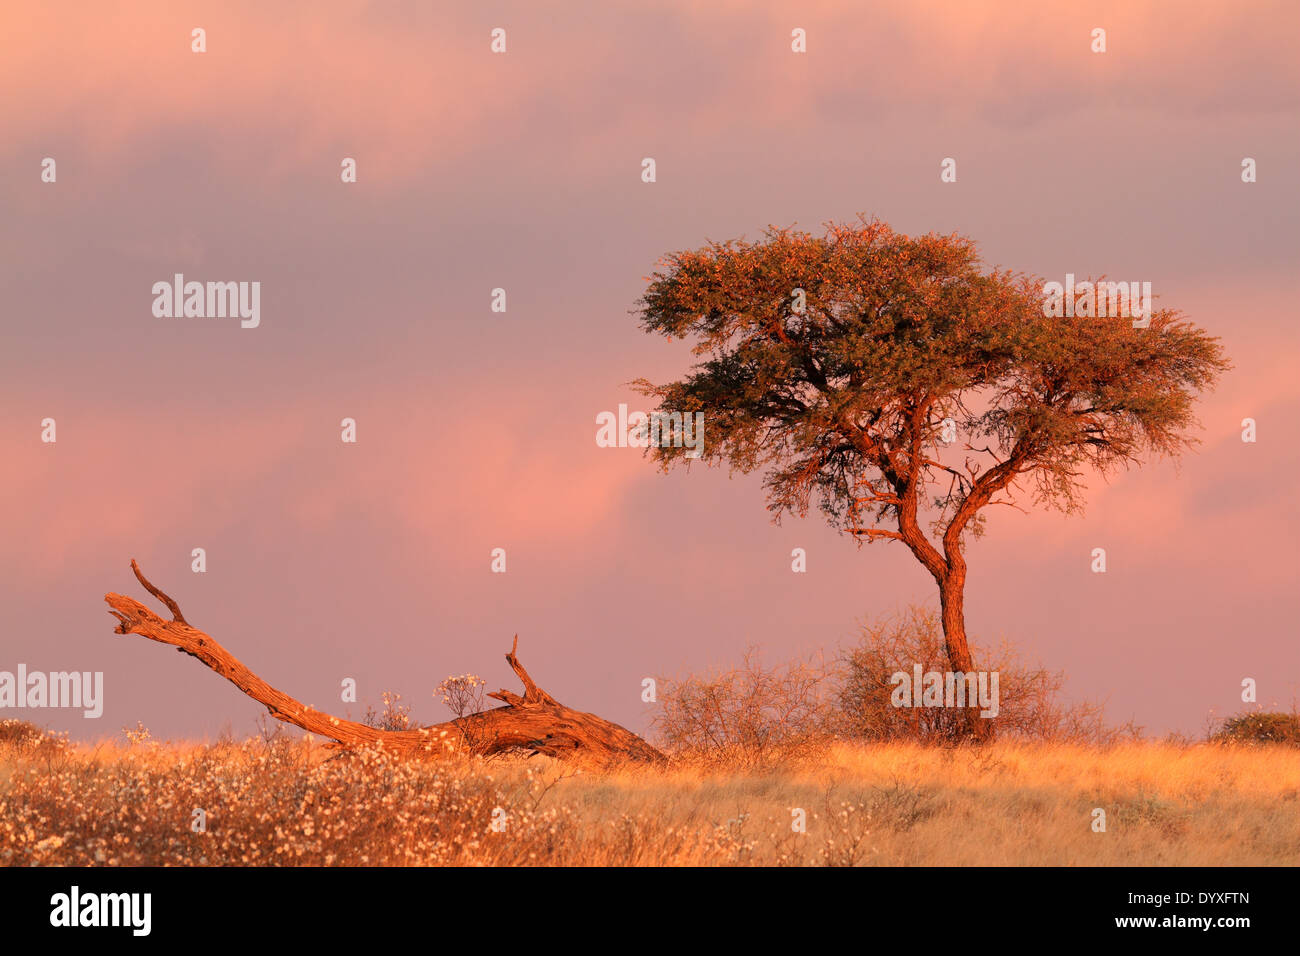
[874,533]
[171,605]
[535,722]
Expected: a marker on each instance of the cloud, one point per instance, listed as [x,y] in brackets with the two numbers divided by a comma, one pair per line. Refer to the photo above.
[122,476]
[410,88]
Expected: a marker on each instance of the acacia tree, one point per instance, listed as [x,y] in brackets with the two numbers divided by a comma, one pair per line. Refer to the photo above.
[905,390]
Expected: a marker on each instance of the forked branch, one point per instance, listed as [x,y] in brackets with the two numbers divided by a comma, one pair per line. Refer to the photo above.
[535,722]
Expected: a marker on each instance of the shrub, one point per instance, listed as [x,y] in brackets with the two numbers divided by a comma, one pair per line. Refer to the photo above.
[749,715]
[1029,705]
[754,714]
[25,738]
[395,715]
[1262,727]
[19,733]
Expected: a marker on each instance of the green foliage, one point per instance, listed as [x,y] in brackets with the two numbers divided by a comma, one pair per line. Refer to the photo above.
[1261,728]
[843,402]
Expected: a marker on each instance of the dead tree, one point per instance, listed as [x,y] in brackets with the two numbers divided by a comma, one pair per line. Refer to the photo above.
[533,723]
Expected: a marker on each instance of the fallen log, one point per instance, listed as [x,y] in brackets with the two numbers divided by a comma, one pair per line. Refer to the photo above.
[535,722]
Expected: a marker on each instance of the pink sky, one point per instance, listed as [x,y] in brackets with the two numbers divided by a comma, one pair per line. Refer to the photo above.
[476,429]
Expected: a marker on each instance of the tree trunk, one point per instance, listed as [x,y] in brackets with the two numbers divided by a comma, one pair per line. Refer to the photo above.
[952,593]
[535,722]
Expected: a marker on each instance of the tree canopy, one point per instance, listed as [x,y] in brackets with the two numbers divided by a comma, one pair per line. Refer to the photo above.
[903,388]
[846,399]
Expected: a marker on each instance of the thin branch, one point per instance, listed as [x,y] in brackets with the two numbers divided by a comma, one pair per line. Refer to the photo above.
[534,722]
[986,450]
[171,605]
[532,693]
[874,533]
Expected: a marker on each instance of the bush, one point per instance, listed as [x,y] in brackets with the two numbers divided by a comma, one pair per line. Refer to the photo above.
[26,739]
[748,716]
[753,714]
[395,715]
[1029,705]
[1262,727]
[19,733]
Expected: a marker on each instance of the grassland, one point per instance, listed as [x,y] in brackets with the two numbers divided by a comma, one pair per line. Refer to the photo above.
[291,802]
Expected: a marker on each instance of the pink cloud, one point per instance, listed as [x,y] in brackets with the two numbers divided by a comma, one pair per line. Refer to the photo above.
[363,79]
[125,474]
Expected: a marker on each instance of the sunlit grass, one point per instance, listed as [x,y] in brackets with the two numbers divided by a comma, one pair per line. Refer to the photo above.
[294,802]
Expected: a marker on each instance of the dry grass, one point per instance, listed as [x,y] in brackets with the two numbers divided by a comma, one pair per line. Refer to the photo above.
[289,802]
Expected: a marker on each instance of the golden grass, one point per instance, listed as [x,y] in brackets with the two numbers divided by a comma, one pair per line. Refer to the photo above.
[898,804]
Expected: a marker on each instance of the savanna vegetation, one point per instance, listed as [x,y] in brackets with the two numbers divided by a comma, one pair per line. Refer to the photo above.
[904,389]
[792,763]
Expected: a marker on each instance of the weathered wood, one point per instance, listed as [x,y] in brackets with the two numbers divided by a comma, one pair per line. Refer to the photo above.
[535,722]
